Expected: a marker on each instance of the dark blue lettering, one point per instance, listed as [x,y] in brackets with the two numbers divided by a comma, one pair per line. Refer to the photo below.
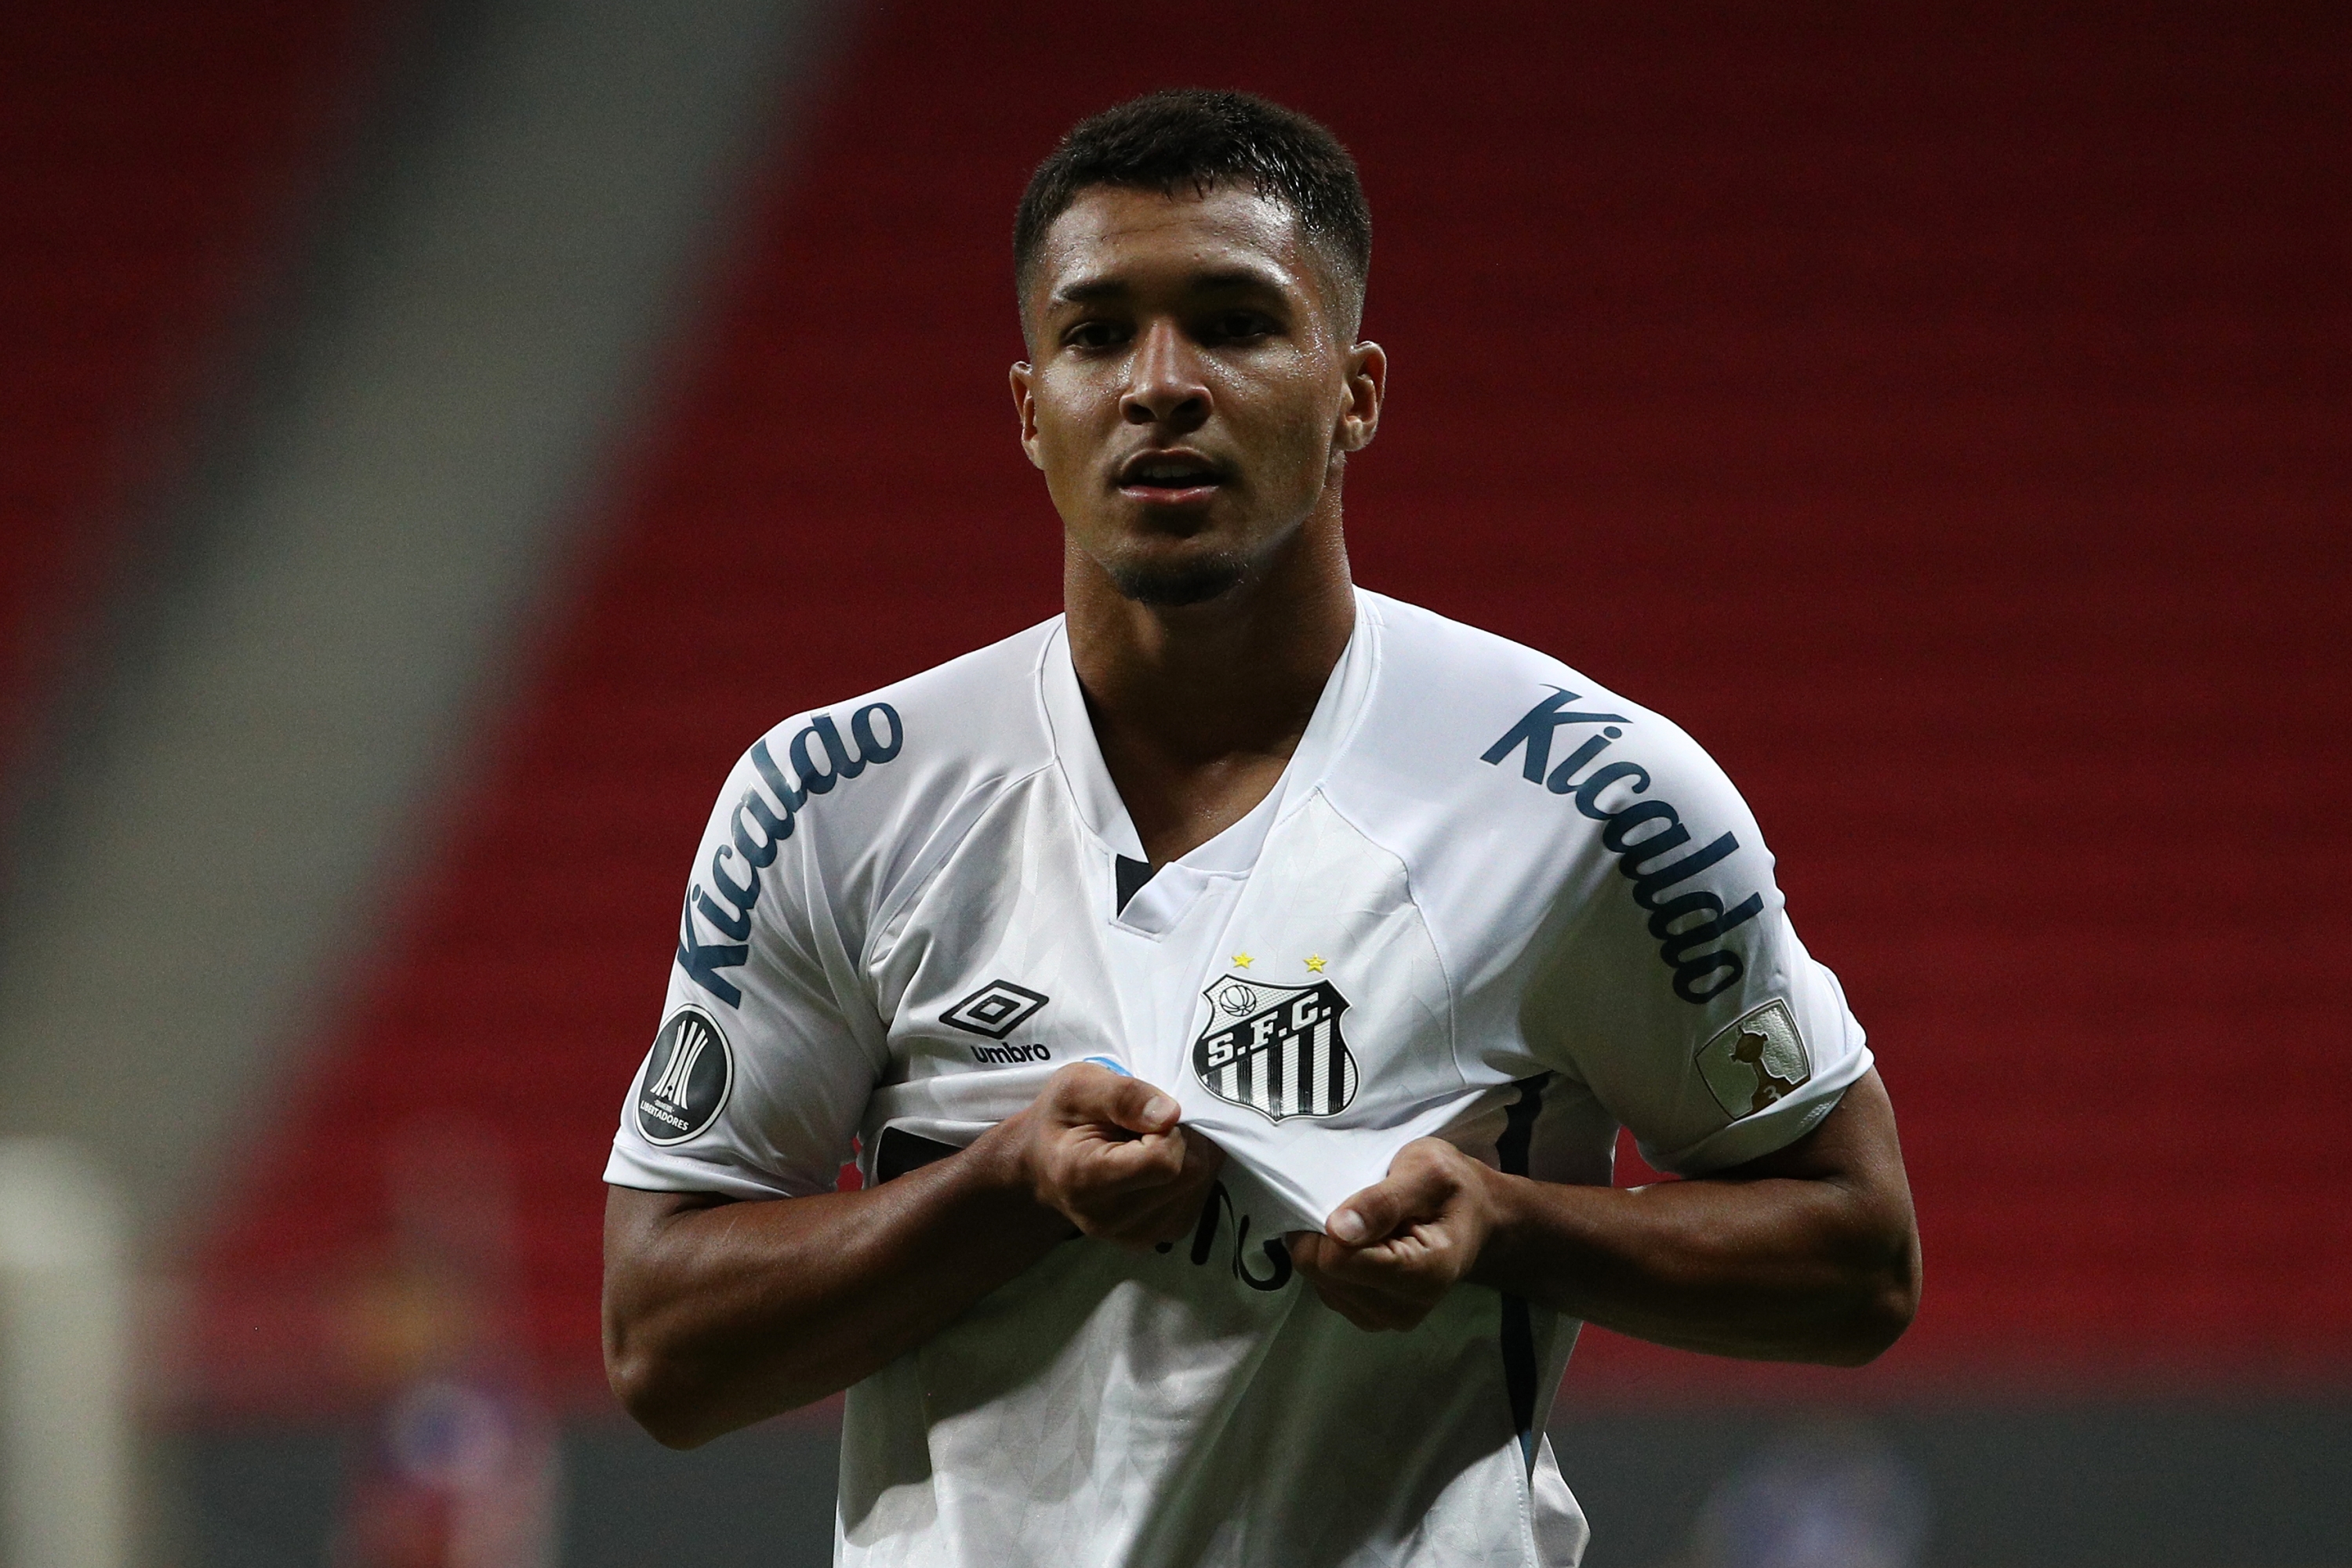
[763,854]
[813,780]
[1204,1234]
[1276,1255]
[843,766]
[861,730]
[1647,886]
[1622,823]
[1220,1206]
[702,961]
[1722,961]
[1682,925]
[787,796]
[743,894]
[737,926]
[1588,793]
[1677,941]
[1534,731]
[1562,776]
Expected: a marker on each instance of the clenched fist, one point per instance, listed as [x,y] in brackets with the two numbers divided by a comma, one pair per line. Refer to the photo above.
[1390,1253]
[1105,1151]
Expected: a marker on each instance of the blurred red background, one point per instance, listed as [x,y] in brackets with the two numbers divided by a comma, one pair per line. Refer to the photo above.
[154,164]
[1940,413]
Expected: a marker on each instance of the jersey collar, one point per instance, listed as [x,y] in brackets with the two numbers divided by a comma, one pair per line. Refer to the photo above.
[1235,850]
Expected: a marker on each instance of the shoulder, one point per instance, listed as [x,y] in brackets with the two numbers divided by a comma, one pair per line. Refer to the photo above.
[1525,797]
[861,765]
[1464,716]
[830,812]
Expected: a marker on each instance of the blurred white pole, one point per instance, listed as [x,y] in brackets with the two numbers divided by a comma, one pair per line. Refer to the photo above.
[65,1421]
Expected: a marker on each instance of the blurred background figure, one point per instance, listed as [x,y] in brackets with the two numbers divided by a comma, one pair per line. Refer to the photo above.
[437,435]
[455,1464]
[1829,1496]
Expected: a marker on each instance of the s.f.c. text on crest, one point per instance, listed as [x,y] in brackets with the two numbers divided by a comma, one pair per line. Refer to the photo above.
[1276,1049]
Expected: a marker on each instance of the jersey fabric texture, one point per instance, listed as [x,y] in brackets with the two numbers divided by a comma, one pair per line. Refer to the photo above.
[1487,901]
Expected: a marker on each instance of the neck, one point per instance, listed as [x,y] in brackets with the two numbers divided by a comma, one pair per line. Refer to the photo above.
[1239,673]
[1197,707]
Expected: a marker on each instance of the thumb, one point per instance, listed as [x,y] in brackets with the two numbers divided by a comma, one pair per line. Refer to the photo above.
[1139,1108]
[1369,1216]
[1114,1100]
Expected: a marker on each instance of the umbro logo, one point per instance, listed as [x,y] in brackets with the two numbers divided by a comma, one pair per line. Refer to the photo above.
[995,1010]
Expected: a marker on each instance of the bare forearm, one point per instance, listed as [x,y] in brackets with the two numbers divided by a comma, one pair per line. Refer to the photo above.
[1809,1254]
[718,1316]
[1773,1270]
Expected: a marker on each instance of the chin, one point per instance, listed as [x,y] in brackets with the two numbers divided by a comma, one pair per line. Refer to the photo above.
[1173,583]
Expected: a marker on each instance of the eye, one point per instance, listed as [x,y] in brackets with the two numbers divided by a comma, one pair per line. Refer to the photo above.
[1239,326]
[1095,335]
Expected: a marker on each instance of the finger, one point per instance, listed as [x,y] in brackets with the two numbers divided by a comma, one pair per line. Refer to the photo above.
[1319,1257]
[1142,1218]
[1370,1310]
[1174,1212]
[1203,1157]
[1418,1265]
[1084,1092]
[1419,1247]
[1413,1190]
[1139,1108]
[1374,1214]
[1314,1255]
[1109,1164]
[1366,1305]
[1392,1301]
[1155,1221]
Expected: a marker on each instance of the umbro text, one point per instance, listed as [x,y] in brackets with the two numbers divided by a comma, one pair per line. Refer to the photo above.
[1005,1053]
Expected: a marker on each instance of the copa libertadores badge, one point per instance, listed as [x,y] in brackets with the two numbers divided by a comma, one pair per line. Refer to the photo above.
[687,1075]
[1276,1049]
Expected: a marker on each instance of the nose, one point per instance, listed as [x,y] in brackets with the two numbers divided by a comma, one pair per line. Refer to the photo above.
[1167,387]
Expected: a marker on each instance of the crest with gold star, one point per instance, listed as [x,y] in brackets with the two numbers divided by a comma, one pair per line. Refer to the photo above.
[1276,1049]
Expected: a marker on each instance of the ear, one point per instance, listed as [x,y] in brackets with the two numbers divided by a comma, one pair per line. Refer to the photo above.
[1368,390]
[1024,409]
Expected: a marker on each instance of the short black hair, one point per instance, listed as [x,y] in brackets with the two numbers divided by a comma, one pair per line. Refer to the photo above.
[1196,138]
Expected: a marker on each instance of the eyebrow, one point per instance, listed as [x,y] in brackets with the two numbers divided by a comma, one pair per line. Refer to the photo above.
[1091,290]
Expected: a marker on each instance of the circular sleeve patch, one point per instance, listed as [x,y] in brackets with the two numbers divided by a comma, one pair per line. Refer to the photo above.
[687,1077]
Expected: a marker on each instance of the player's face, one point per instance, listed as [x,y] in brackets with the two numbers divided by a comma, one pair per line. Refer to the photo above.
[1192,394]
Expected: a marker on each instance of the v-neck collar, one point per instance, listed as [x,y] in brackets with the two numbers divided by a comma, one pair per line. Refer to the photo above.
[1234,851]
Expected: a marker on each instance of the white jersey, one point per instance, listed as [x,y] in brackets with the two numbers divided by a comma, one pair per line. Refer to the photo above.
[1486,901]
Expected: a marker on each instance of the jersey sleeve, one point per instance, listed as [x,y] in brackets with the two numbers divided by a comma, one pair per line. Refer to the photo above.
[1673,987]
[767,1050]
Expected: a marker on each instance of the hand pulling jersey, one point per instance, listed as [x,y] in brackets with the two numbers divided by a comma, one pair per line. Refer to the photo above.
[1487,901]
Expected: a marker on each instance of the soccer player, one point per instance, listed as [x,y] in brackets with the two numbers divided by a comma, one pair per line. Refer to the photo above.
[1233,989]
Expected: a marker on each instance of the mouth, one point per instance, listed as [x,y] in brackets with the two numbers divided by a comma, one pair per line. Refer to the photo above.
[1176,478]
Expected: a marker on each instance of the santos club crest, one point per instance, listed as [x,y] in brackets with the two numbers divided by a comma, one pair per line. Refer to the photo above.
[1276,1049]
